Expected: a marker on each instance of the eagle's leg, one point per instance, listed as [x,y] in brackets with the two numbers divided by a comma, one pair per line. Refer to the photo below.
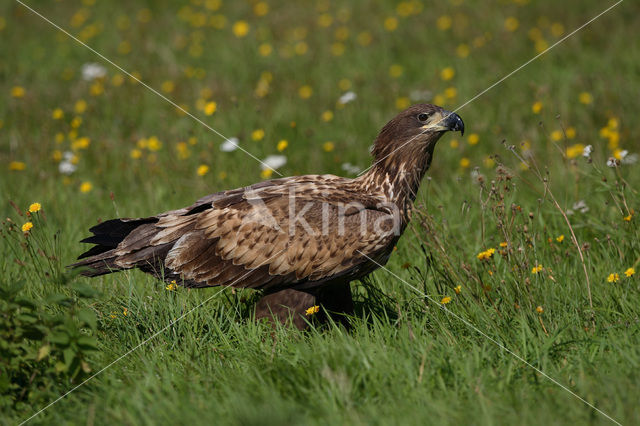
[336,299]
[282,305]
[285,304]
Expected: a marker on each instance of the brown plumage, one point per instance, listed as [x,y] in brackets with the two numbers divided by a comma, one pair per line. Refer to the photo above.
[299,239]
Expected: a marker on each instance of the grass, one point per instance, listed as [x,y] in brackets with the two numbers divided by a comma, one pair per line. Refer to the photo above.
[409,359]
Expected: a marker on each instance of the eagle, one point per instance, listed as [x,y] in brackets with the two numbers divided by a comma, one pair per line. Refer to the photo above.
[301,240]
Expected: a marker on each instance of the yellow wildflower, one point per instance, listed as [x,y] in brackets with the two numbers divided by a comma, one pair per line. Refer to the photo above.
[457,289]
[445,300]
[536,269]
[327,116]
[312,310]
[305,91]
[282,145]
[613,278]
[80,107]
[396,70]
[450,92]
[301,48]
[541,45]
[454,143]
[574,151]
[257,134]
[27,227]
[557,29]
[261,8]
[265,49]
[473,139]
[585,98]
[447,73]
[328,146]
[86,187]
[365,38]
[402,102]
[560,238]
[344,84]
[444,22]
[390,23]
[17,166]
[96,89]
[203,169]
[536,107]
[35,207]
[503,244]
[539,309]
[171,286]
[210,108]
[627,218]
[462,50]
[486,254]
[556,135]
[325,20]
[511,24]
[135,153]
[125,312]
[154,144]
[489,162]
[266,173]
[465,162]
[81,143]
[124,48]
[57,114]
[629,272]
[168,86]
[18,91]
[240,29]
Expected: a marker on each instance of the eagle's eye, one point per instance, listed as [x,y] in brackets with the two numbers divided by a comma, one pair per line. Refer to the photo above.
[423,116]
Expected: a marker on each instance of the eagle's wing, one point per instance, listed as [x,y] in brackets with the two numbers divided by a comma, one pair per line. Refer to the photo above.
[265,238]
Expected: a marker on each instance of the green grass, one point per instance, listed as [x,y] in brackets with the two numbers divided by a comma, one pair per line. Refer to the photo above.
[407,359]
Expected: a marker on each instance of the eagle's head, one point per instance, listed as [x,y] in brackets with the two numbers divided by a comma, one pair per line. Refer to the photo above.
[414,131]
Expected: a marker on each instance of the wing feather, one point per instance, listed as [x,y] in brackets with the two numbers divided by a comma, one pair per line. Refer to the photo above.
[250,237]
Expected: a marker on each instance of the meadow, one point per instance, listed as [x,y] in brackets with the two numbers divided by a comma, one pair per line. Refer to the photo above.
[512,298]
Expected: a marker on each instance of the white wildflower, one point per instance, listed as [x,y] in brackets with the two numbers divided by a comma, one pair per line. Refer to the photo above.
[612,162]
[347,97]
[586,152]
[350,168]
[66,166]
[580,206]
[421,95]
[229,145]
[630,159]
[274,162]
[91,71]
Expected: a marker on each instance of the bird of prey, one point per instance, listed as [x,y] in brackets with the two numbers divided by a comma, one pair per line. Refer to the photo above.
[301,240]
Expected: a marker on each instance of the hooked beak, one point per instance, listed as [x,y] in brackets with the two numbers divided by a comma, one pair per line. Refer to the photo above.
[450,122]
[453,122]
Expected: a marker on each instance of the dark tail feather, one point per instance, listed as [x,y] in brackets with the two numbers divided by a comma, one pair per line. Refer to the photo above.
[100,259]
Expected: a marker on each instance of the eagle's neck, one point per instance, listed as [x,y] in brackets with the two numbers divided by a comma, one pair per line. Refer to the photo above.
[398,175]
